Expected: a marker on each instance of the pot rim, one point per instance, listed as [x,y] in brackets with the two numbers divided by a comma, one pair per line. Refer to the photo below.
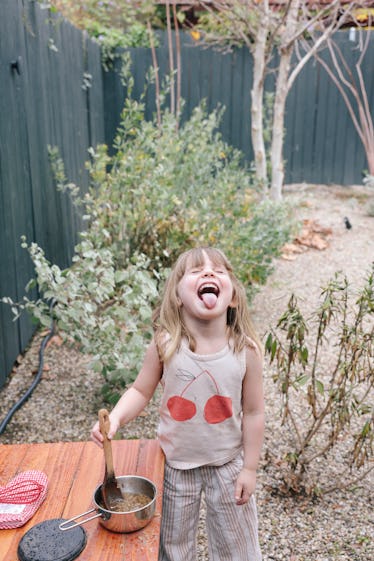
[105,514]
[101,508]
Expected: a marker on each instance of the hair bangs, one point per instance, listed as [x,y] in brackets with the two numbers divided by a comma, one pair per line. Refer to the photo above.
[195,257]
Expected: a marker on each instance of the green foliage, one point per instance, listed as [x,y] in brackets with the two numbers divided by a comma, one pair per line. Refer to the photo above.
[368,180]
[230,26]
[183,186]
[116,14]
[324,408]
[165,189]
[106,311]
[115,24]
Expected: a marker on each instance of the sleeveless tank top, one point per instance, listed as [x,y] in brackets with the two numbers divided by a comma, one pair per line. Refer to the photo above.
[201,407]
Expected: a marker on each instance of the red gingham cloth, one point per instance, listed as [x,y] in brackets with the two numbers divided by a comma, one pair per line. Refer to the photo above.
[15,515]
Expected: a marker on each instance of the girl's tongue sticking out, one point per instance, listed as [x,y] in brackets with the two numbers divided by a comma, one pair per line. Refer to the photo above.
[208,293]
[209,299]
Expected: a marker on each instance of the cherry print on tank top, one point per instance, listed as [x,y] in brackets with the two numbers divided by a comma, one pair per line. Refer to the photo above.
[217,409]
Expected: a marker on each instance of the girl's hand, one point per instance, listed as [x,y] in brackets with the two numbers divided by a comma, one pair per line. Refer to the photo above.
[96,435]
[245,486]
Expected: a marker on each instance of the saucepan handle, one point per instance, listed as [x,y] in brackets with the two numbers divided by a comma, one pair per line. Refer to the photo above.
[69,524]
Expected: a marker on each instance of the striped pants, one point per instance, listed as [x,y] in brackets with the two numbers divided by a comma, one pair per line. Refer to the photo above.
[231,529]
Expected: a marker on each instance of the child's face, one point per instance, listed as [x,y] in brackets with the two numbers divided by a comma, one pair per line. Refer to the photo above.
[205,291]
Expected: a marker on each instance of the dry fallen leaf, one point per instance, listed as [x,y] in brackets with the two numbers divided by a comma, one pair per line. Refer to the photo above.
[55,340]
[312,236]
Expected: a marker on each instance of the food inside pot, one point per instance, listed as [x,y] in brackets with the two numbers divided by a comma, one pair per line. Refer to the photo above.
[129,502]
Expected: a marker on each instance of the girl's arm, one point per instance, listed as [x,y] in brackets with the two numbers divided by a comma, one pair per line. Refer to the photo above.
[134,400]
[253,425]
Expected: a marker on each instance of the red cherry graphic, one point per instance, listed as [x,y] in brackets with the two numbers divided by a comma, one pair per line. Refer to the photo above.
[181,409]
[217,409]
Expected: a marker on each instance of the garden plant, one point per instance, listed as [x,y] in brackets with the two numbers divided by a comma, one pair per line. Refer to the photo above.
[167,187]
[327,406]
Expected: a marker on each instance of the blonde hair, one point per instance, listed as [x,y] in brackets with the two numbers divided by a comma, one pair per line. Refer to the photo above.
[168,322]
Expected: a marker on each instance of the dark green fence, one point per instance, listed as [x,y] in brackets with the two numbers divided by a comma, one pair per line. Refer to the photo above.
[45,65]
[321,143]
[53,92]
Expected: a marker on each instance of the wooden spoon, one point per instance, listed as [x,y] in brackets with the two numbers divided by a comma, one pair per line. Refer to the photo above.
[110,492]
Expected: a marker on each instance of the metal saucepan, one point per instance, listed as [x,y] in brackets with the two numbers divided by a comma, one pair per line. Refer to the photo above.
[120,522]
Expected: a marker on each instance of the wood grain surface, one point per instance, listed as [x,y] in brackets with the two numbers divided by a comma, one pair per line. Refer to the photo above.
[74,471]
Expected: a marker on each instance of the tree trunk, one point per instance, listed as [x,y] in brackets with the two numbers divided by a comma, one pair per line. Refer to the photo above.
[371,163]
[281,91]
[257,95]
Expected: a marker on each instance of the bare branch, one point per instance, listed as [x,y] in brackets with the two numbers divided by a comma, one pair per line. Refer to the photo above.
[364,123]
[347,482]
[171,58]
[179,65]
[156,71]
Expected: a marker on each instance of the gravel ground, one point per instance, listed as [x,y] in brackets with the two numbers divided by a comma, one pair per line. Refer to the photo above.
[338,526]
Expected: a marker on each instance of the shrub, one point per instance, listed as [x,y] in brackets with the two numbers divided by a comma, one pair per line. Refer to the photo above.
[165,189]
[326,409]
[172,187]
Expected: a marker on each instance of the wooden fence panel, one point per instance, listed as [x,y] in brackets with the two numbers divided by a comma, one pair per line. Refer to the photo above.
[40,91]
[300,124]
[15,170]
[70,132]
[94,94]
[42,103]
[349,161]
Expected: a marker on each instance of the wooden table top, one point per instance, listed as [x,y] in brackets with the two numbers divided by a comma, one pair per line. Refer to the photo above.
[74,470]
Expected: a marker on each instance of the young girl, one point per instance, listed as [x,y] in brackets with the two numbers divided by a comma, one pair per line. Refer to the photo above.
[207,358]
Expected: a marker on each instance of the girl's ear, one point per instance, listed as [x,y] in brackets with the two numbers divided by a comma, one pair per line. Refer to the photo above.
[179,302]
